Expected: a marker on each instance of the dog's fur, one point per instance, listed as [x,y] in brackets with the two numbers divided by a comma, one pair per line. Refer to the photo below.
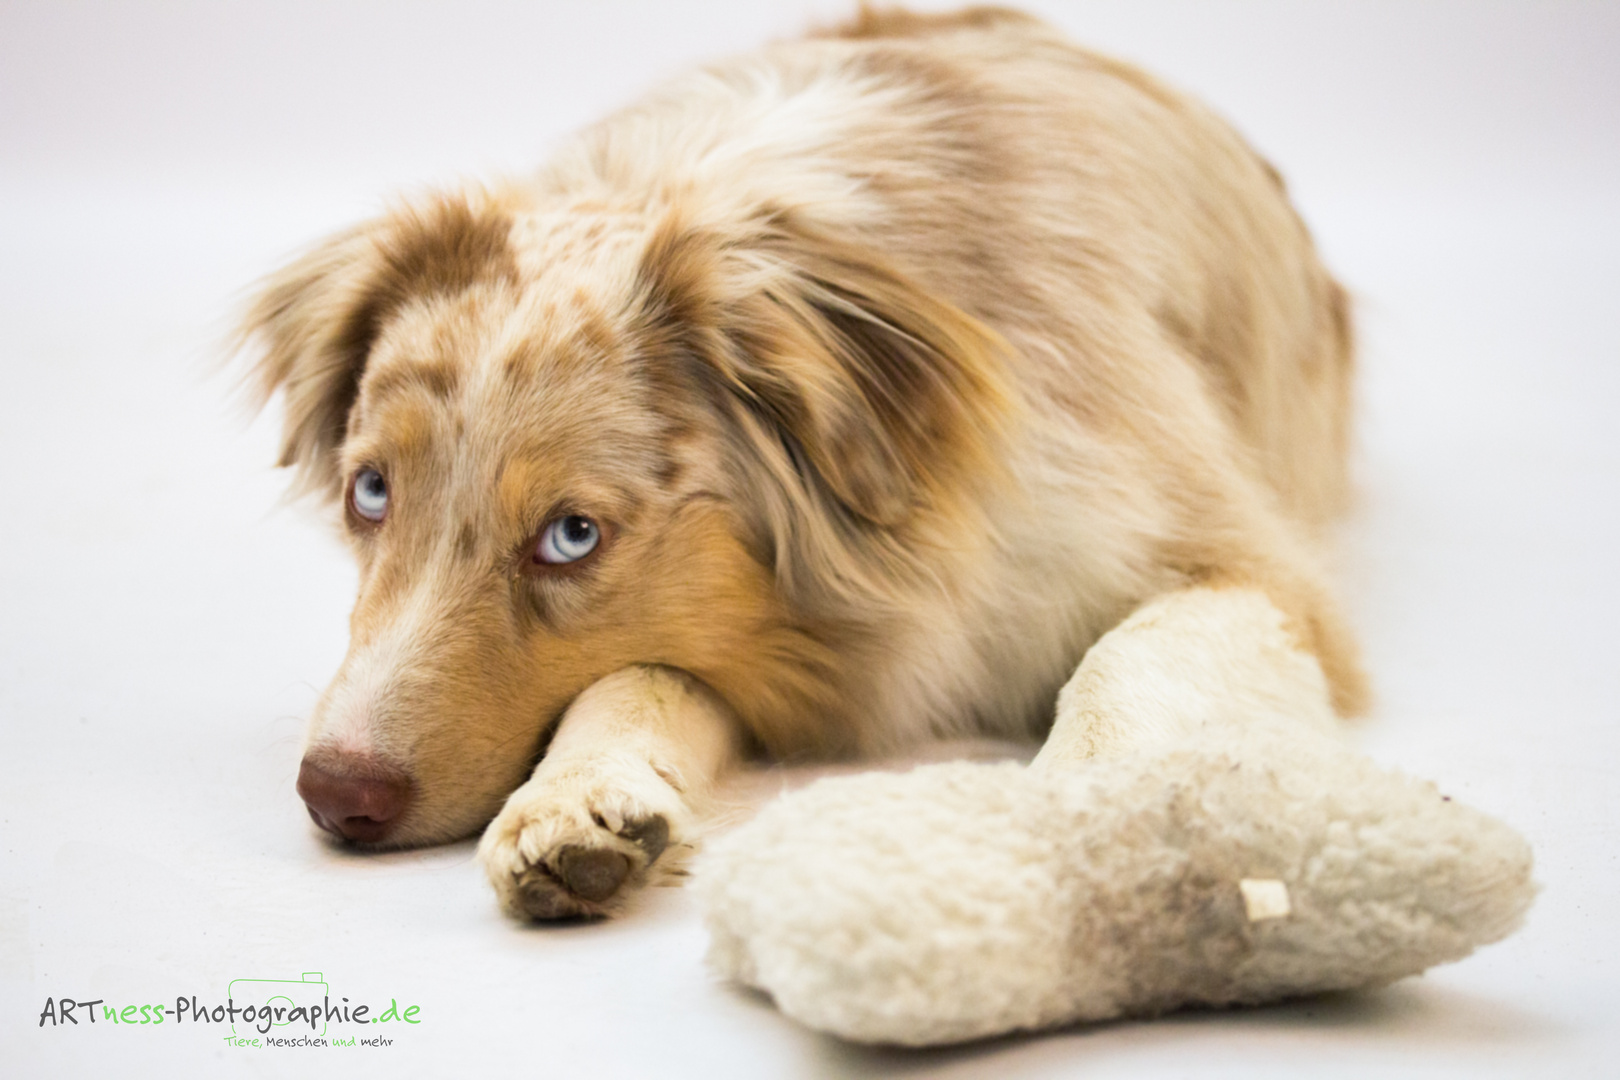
[899,365]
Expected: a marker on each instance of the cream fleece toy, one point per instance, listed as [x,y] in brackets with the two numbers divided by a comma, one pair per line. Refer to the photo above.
[1243,862]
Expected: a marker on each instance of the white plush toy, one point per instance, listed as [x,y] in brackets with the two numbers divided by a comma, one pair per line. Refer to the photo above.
[1243,864]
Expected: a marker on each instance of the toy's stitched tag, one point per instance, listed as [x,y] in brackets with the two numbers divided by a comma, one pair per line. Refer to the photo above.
[1264,898]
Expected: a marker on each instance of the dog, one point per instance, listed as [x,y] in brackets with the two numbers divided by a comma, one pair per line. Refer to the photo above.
[870,389]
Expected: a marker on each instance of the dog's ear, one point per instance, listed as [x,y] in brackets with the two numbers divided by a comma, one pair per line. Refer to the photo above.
[318,318]
[316,321]
[890,395]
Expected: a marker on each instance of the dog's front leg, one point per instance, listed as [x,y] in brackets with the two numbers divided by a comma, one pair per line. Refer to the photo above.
[1185,662]
[633,760]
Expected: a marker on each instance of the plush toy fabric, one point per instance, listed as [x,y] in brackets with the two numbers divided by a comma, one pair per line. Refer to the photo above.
[960,901]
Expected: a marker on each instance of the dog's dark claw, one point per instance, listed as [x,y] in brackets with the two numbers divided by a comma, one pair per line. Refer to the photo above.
[651,835]
[592,874]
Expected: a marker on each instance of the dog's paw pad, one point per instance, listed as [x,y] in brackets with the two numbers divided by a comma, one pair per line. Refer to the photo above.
[651,835]
[540,896]
[592,874]
[557,851]
[575,874]
[573,880]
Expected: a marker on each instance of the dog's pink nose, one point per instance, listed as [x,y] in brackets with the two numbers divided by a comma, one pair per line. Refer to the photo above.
[357,798]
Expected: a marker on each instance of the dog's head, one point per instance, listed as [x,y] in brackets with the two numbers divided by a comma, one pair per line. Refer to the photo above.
[566,441]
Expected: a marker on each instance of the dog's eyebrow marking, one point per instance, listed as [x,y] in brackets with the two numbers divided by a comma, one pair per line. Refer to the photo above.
[435,376]
[405,429]
[512,487]
[467,540]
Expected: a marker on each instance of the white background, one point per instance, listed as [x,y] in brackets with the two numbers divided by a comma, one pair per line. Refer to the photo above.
[165,625]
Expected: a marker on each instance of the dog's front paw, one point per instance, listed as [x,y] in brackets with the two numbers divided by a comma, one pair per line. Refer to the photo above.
[581,841]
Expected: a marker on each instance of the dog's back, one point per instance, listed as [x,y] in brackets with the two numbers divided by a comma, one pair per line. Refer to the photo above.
[1241,290]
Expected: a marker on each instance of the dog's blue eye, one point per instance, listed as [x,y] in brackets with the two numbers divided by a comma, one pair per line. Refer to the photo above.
[369,495]
[568,540]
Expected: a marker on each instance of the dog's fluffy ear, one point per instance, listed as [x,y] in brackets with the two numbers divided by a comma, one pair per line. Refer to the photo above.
[315,321]
[318,318]
[892,397]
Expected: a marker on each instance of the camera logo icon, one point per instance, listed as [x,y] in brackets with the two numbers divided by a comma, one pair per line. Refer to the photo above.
[273,1000]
